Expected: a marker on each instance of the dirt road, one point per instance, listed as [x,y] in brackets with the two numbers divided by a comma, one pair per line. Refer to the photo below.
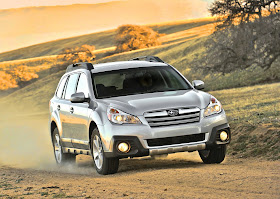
[178,176]
[27,170]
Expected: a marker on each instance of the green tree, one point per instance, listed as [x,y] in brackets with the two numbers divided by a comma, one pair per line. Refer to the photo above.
[252,43]
[232,12]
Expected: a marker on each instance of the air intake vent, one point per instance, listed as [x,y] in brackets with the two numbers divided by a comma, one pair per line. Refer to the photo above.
[176,140]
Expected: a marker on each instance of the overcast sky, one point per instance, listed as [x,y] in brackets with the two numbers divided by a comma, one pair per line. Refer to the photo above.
[6,4]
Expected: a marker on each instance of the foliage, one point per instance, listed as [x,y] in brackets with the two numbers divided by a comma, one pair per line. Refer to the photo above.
[232,12]
[22,74]
[7,81]
[239,47]
[19,76]
[84,53]
[133,37]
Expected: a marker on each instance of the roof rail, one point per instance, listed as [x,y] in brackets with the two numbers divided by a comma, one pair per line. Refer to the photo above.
[80,65]
[148,58]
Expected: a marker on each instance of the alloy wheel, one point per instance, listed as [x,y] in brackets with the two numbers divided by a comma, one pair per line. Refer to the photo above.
[97,152]
[57,149]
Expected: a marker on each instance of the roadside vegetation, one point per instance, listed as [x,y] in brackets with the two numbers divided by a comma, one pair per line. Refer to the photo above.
[247,35]
[254,116]
[84,53]
[133,37]
[17,77]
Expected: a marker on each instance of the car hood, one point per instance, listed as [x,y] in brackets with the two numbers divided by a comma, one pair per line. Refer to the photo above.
[141,103]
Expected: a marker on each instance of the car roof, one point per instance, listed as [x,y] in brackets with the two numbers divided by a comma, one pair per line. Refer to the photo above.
[102,67]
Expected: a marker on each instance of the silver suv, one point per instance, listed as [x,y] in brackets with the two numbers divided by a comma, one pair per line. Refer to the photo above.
[131,109]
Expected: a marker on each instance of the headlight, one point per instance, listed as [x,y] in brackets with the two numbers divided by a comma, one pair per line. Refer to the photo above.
[213,108]
[119,117]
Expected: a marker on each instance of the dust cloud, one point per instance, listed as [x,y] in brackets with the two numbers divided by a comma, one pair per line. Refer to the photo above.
[25,143]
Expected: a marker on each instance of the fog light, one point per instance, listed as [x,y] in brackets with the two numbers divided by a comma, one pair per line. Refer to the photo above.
[123,147]
[223,136]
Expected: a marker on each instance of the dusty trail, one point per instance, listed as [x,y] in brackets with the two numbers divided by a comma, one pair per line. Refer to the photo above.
[27,170]
[174,177]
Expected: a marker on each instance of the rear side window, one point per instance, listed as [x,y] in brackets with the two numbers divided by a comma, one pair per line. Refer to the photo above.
[71,86]
[61,87]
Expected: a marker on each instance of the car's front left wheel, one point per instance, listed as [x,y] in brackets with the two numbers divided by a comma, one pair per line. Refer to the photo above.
[214,155]
[102,164]
[60,157]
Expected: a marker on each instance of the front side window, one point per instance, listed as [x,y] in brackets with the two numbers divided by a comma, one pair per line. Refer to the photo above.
[83,85]
[71,86]
[137,81]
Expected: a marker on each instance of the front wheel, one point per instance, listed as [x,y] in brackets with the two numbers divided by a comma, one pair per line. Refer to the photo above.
[215,155]
[60,157]
[102,164]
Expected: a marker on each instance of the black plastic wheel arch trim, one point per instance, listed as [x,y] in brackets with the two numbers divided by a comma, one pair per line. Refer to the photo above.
[136,150]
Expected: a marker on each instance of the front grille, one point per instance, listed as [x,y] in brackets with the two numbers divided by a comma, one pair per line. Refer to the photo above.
[176,140]
[161,118]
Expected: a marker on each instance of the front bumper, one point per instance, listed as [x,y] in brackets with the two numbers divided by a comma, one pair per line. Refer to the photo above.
[137,149]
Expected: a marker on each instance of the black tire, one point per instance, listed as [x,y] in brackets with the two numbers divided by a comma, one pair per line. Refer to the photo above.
[66,158]
[215,155]
[109,165]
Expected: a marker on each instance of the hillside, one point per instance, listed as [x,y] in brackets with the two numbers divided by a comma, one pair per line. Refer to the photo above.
[178,54]
[182,54]
[180,48]
[33,25]
[172,33]
[100,40]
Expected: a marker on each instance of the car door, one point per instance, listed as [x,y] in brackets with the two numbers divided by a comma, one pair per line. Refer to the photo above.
[80,116]
[57,103]
[66,113]
[61,107]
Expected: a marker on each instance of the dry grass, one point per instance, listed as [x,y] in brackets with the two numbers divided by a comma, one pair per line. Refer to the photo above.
[193,33]
[100,40]
[39,68]
[254,105]
[178,32]
[44,60]
[35,65]
[254,115]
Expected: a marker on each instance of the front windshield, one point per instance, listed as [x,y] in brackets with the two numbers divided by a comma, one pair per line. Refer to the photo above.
[137,81]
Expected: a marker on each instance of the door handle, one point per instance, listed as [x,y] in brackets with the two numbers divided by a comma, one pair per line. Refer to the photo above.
[71,110]
[58,107]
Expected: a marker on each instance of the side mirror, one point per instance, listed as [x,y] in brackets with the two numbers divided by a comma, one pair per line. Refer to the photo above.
[78,98]
[198,84]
